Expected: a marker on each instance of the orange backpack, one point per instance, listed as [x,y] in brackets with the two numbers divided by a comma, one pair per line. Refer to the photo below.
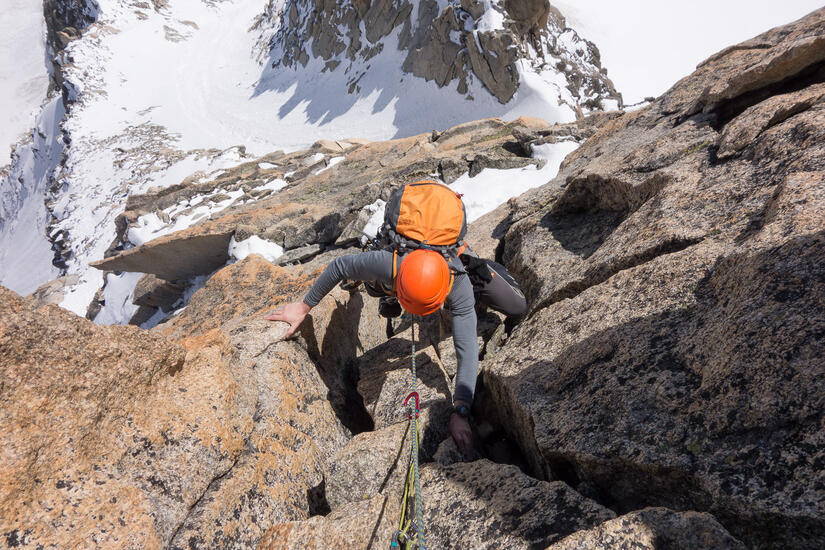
[425,214]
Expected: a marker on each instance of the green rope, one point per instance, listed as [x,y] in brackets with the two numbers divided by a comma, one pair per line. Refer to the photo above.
[419,509]
[412,485]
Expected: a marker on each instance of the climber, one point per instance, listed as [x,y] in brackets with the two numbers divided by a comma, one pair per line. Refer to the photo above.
[422,280]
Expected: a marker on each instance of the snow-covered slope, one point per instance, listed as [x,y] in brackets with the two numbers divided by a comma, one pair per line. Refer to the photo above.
[25,251]
[28,146]
[22,71]
[157,92]
[509,58]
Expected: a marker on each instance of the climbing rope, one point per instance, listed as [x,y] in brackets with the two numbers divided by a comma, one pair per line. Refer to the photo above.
[410,532]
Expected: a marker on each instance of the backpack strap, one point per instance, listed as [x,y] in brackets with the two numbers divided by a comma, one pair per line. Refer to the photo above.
[394,268]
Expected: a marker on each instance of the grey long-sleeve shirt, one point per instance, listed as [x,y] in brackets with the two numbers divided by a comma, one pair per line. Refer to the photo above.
[376,266]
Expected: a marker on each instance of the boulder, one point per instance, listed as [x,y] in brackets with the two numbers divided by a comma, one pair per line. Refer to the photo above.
[331,147]
[54,291]
[372,463]
[493,58]
[297,255]
[484,505]
[745,128]
[528,16]
[451,169]
[651,529]
[365,524]
[385,381]
[174,257]
[203,248]
[152,292]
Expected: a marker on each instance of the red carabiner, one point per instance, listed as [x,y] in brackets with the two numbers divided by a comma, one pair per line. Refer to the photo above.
[413,394]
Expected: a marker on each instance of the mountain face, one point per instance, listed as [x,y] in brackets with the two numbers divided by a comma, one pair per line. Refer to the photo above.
[665,388]
[150,93]
[494,42]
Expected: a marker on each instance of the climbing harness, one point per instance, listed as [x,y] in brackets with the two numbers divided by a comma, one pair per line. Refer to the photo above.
[410,531]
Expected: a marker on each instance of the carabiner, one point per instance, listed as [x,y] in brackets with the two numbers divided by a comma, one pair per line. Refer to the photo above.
[413,394]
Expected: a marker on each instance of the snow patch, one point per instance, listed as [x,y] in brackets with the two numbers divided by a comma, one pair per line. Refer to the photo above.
[492,19]
[181,216]
[118,294]
[492,187]
[254,245]
[376,210]
[273,185]
[332,162]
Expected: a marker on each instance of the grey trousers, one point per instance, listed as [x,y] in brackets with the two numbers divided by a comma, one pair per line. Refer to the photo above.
[501,292]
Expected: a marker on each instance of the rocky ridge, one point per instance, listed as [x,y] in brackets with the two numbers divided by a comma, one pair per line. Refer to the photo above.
[664,389]
[677,257]
[323,200]
[444,42]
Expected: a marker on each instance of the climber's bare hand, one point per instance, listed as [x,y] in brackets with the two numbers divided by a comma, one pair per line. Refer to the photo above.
[462,434]
[293,314]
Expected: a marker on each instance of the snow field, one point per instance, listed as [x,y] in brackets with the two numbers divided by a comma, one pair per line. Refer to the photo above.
[23,72]
[25,252]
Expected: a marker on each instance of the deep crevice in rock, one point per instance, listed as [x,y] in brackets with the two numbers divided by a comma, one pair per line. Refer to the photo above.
[338,369]
[492,440]
[317,500]
[730,109]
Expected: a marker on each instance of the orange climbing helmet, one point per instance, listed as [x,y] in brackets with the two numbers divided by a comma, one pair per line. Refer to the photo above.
[423,281]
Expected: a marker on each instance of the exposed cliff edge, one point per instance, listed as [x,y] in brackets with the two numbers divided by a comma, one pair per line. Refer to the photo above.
[665,388]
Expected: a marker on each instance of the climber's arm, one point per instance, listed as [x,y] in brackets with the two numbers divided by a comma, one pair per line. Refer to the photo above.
[375,265]
[368,266]
[461,304]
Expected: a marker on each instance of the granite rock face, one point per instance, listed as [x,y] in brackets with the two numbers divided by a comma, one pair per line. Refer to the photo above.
[653,528]
[669,369]
[487,505]
[672,356]
[366,524]
[131,439]
[444,42]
